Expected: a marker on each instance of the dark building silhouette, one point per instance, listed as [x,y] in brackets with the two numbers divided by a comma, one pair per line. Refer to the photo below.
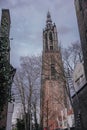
[81,12]
[6,70]
[80,96]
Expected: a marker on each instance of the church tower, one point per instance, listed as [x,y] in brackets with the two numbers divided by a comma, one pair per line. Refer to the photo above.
[53,83]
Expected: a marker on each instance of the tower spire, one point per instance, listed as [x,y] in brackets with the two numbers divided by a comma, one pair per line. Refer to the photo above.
[50,40]
[48,21]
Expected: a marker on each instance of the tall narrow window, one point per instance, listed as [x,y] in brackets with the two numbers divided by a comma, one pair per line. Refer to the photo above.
[50,36]
[80,4]
[52,70]
[51,41]
[46,42]
[51,48]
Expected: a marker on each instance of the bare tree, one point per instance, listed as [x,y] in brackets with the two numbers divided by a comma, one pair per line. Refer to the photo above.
[71,55]
[27,81]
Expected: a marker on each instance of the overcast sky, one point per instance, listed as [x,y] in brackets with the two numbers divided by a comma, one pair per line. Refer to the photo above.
[28,19]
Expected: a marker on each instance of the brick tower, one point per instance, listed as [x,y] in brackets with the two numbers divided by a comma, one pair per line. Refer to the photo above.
[53,83]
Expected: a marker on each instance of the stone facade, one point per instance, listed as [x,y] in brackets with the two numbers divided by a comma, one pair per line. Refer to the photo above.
[80,97]
[81,12]
[53,84]
[79,76]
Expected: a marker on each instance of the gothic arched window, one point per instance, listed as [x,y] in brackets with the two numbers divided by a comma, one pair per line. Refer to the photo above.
[52,66]
[51,40]
[46,42]
[50,36]
[52,69]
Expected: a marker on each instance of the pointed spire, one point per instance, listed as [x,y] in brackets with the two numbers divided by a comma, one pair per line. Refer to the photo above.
[49,21]
[48,15]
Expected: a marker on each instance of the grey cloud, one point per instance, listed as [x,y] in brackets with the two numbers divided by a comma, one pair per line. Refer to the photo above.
[59,4]
[28,18]
[14,3]
[2,2]
[64,30]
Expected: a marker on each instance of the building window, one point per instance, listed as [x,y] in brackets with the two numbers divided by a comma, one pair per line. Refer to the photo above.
[51,48]
[51,40]
[46,42]
[50,36]
[52,70]
[80,4]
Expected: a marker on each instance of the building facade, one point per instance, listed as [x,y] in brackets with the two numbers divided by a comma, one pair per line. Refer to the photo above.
[6,70]
[80,90]
[81,12]
[53,84]
[79,79]
[80,72]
